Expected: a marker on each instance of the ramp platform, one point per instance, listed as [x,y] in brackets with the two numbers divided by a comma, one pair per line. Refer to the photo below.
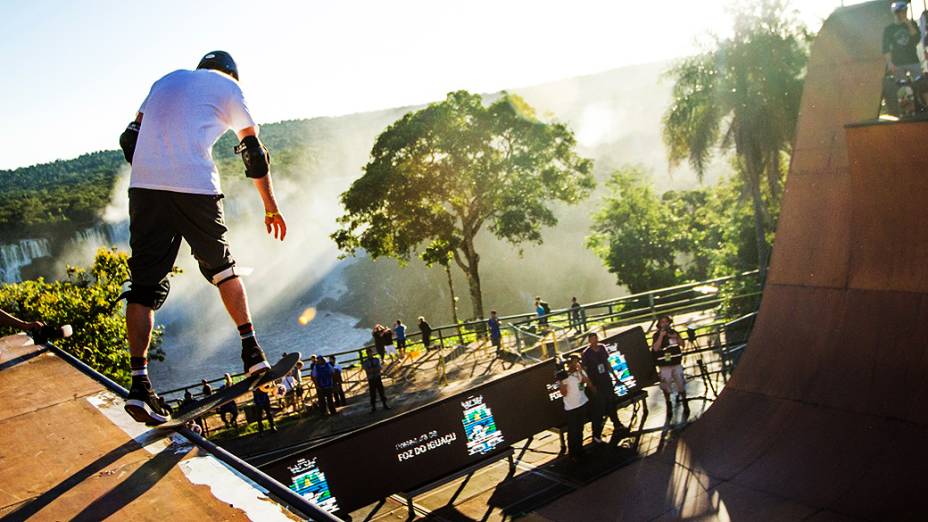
[69,452]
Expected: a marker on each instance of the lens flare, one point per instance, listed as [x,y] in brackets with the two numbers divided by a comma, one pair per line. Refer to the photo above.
[307,316]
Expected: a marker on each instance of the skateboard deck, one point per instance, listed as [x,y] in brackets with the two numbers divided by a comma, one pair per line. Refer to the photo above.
[225,395]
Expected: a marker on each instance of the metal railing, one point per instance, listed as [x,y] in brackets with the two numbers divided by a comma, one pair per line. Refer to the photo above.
[464,333]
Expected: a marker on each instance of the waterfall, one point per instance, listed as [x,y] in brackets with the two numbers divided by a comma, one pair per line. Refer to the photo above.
[14,256]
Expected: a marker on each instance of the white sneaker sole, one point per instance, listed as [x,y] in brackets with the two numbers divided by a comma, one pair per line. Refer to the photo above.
[142,412]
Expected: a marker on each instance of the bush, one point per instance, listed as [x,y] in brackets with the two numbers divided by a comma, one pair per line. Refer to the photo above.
[86,301]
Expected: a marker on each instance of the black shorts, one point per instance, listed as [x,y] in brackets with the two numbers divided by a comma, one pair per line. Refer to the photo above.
[159,219]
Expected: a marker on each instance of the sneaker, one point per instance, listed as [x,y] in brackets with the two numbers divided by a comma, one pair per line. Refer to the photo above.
[598,440]
[145,406]
[254,360]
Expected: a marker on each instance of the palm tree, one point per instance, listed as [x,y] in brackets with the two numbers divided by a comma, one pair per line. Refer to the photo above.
[742,96]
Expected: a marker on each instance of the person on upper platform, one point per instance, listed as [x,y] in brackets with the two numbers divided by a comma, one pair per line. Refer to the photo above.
[900,43]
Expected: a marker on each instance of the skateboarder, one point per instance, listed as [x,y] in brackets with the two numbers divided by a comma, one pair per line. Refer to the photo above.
[174,194]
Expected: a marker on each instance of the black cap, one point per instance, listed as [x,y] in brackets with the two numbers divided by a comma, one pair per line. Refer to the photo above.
[219,61]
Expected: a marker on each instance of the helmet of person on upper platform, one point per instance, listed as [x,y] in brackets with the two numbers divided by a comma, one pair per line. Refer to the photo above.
[219,61]
[899,6]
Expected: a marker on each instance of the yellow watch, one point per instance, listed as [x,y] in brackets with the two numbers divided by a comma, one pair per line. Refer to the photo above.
[271,214]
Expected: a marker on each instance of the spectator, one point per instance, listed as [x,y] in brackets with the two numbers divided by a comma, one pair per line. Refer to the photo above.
[496,336]
[577,316]
[229,409]
[325,384]
[199,422]
[604,401]
[339,388]
[386,337]
[263,408]
[667,346]
[399,331]
[207,389]
[539,311]
[289,385]
[7,319]
[573,383]
[426,331]
[378,340]
[298,374]
[900,41]
[373,368]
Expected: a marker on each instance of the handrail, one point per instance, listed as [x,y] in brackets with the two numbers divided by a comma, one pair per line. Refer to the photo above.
[284,495]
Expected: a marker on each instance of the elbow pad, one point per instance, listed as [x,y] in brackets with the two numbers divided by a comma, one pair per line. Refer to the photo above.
[127,140]
[255,156]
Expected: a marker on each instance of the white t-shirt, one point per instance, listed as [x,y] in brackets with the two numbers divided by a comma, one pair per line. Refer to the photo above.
[574,398]
[182,117]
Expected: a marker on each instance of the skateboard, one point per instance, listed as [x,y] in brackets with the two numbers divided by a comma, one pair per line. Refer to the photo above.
[225,395]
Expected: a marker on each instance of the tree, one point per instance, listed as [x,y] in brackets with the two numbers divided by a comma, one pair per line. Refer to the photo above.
[446,172]
[85,300]
[631,233]
[743,96]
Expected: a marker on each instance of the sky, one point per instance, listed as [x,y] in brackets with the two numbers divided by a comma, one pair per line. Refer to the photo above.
[75,71]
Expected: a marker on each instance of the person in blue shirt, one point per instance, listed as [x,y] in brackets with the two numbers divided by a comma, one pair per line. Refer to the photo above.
[263,408]
[496,336]
[325,384]
[399,332]
[373,368]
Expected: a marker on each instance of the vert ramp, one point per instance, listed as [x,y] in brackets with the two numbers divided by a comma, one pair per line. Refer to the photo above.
[826,417]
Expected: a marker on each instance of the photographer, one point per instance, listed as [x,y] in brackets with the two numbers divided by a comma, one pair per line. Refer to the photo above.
[668,354]
[604,400]
[573,382]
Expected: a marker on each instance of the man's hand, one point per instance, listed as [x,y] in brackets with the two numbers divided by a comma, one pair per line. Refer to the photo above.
[274,221]
[34,325]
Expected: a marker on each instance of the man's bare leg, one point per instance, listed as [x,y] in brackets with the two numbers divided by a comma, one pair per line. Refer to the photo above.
[140,320]
[236,300]
[142,404]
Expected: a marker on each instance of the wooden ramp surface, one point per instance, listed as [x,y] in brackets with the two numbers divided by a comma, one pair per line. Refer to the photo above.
[826,416]
[69,452]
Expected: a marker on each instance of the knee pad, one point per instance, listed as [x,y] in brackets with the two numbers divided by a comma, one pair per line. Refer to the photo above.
[152,296]
[217,277]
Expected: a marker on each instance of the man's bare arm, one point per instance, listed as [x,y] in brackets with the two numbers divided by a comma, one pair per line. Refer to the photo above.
[273,220]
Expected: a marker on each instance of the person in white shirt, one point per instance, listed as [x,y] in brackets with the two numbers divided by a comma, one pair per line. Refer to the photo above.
[174,194]
[572,383]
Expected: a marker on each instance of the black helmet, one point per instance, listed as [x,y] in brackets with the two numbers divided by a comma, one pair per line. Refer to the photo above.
[219,61]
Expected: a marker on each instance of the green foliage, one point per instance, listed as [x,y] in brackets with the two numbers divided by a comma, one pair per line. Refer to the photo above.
[439,175]
[631,232]
[650,241]
[73,191]
[743,96]
[86,301]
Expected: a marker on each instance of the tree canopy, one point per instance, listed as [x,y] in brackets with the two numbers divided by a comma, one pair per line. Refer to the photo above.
[743,96]
[440,175]
[651,241]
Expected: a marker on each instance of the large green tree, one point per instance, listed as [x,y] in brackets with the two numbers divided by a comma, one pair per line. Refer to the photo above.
[743,96]
[441,175]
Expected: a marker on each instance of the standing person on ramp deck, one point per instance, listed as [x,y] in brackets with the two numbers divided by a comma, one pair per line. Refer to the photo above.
[174,194]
